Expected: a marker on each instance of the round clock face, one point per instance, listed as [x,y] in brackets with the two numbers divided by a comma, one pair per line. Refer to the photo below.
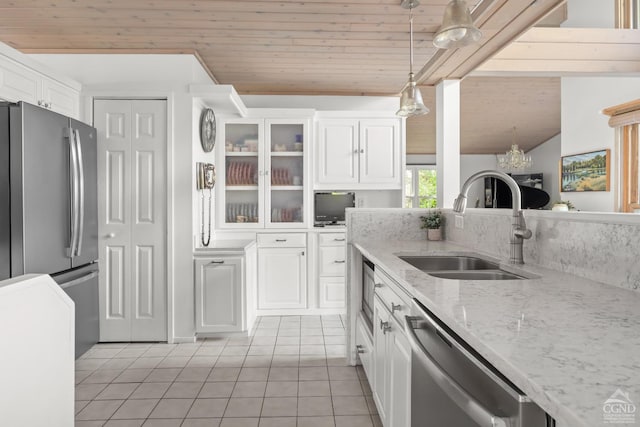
[207,130]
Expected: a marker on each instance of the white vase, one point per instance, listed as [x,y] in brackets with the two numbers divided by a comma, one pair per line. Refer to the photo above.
[434,234]
[560,207]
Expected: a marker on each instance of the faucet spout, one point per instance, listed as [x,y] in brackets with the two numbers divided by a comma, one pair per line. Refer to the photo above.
[519,230]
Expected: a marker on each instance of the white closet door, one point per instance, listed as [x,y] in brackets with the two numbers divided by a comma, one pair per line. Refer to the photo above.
[132,218]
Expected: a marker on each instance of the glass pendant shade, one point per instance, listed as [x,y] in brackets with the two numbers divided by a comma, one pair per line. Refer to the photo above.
[457,28]
[411,103]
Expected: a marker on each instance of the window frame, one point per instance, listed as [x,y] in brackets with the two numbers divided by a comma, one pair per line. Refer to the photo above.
[415,169]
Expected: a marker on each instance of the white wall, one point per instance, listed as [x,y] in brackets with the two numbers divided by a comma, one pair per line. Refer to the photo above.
[545,158]
[585,129]
[470,164]
[590,14]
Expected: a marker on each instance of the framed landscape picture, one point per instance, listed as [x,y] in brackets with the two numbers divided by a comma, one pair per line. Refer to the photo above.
[585,172]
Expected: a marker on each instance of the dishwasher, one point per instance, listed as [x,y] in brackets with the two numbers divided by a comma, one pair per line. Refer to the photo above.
[452,385]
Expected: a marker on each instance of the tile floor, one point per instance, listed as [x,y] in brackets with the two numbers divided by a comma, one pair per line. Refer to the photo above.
[290,373]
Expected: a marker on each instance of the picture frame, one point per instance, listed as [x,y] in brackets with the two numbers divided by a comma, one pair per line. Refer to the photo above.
[590,171]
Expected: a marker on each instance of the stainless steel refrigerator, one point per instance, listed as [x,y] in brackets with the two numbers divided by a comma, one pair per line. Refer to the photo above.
[48,206]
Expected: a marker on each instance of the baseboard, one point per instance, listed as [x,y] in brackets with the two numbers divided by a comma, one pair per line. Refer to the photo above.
[301,312]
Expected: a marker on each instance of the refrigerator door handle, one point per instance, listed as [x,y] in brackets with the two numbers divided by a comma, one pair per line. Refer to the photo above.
[73,184]
[79,159]
[79,280]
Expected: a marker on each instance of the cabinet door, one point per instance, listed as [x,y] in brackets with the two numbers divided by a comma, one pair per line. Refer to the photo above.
[286,143]
[380,152]
[219,294]
[60,98]
[331,290]
[338,152]
[18,83]
[241,175]
[399,413]
[282,278]
[380,364]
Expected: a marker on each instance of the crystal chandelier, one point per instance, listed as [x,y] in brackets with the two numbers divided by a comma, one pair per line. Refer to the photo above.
[515,158]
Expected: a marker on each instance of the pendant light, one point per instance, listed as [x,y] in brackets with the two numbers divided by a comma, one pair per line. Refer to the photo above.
[411,103]
[457,28]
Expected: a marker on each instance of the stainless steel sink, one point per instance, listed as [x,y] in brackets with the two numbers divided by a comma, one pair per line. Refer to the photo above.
[461,267]
[476,275]
[438,263]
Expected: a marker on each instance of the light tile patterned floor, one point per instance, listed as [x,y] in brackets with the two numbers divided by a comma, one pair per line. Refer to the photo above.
[290,373]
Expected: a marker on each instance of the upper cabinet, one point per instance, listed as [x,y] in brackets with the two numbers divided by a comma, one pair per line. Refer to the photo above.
[359,154]
[263,178]
[21,83]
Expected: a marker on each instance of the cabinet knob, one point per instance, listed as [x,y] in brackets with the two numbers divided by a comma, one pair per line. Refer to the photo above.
[362,150]
[360,349]
[395,307]
[356,151]
[110,235]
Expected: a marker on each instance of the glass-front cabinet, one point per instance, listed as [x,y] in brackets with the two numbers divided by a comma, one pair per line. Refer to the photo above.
[263,183]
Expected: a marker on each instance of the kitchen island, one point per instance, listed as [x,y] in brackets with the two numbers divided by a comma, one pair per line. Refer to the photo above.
[567,342]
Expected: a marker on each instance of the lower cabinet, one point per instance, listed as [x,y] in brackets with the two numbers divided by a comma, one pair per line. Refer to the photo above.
[331,262]
[219,302]
[282,278]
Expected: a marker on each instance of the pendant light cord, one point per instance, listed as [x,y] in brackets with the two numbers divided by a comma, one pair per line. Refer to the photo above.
[411,40]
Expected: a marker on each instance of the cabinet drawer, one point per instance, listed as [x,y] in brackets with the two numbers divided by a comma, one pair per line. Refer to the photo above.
[282,240]
[332,239]
[332,261]
[331,292]
[396,300]
[364,347]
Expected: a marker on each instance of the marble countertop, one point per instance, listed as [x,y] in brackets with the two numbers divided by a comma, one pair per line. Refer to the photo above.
[567,342]
[217,245]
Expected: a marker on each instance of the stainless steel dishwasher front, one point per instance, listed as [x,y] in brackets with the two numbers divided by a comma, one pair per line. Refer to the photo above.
[452,385]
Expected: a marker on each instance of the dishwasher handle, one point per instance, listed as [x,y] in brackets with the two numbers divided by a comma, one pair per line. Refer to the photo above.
[474,409]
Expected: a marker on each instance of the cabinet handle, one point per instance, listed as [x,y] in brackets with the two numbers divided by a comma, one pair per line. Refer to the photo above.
[338,240]
[360,349]
[385,327]
[281,240]
[362,150]
[217,262]
[356,151]
[339,262]
[302,253]
[395,307]
[377,285]
[266,172]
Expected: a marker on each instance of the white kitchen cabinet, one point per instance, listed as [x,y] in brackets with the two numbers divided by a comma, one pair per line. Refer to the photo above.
[359,154]
[391,379]
[380,386]
[263,178]
[282,272]
[219,303]
[21,83]
[364,347]
[331,261]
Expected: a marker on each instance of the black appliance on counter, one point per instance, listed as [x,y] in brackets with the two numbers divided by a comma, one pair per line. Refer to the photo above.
[49,206]
[329,207]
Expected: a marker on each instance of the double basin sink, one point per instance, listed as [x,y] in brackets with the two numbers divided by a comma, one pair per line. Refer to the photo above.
[459,267]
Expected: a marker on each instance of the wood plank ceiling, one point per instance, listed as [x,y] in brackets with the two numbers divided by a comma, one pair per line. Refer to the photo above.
[328,47]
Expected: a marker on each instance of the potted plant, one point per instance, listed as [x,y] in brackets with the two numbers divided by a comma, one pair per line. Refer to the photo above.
[432,222]
[562,205]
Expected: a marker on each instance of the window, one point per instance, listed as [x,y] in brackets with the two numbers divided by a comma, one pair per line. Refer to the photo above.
[420,186]
[625,118]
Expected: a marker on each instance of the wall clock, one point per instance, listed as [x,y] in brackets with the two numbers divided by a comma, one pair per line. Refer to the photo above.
[207,130]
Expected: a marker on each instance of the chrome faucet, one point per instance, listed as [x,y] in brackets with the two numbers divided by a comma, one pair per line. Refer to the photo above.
[519,230]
